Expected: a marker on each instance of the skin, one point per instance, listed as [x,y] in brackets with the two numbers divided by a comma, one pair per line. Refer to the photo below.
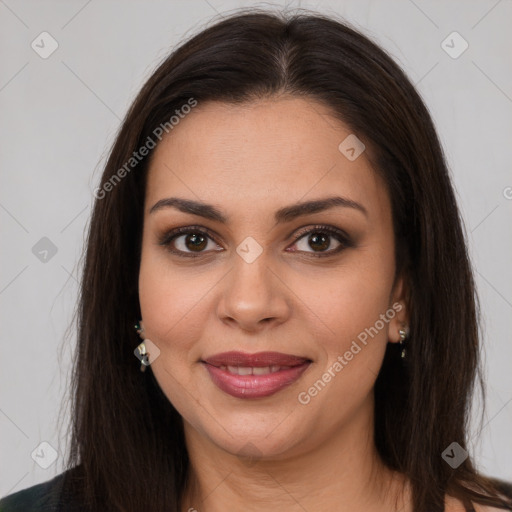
[272,453]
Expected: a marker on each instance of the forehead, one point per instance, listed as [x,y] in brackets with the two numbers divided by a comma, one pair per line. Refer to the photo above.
[267,151]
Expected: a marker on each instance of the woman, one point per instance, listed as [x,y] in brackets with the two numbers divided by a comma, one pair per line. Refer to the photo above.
[277,222]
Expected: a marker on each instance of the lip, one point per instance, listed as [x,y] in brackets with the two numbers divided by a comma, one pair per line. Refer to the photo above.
[254,386]
[258,359]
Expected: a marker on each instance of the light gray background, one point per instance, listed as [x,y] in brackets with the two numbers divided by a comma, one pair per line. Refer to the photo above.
[60,115]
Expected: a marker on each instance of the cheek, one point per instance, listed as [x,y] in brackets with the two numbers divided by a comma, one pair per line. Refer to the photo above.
[171,303]
[351,353]
[173,309]
[348,300]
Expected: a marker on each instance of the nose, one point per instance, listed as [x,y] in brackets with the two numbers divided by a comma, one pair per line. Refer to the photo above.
[254,296]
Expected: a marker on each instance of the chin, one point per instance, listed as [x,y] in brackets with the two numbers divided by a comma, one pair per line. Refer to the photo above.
[246,437]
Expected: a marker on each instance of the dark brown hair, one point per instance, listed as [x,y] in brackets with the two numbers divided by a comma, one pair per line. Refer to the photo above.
[126,435]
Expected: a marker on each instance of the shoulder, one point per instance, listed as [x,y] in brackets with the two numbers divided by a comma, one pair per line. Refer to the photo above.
[487,508]
[51,496]
[453,505]
[503,487]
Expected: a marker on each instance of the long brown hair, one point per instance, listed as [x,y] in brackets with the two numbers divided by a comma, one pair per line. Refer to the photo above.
[125,434]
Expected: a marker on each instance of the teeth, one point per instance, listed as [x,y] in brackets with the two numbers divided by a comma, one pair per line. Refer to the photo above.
[261,371]
[246,370]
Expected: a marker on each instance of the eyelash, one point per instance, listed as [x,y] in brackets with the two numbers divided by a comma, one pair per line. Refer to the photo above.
[340,236]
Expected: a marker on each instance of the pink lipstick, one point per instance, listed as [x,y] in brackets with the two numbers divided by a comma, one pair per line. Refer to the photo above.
[256,375]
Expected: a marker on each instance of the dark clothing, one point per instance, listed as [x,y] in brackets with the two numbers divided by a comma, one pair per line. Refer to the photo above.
[54,495]
[57,495]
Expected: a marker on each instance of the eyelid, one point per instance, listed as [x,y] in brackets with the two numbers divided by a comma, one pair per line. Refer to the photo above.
[325,228]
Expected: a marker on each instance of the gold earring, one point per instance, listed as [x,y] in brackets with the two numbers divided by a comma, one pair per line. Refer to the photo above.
[403,332]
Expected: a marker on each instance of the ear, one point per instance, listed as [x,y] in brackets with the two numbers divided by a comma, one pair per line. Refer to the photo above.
[399,306]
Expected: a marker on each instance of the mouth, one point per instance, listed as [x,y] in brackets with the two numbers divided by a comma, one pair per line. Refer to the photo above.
[256,375]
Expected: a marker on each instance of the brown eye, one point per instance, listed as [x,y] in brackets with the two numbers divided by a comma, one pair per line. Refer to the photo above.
[319,241]
[195,242]
[322,241]
[188,241]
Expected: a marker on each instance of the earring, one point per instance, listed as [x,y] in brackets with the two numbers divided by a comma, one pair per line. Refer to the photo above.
[141,349]
[403,332]
[139,329]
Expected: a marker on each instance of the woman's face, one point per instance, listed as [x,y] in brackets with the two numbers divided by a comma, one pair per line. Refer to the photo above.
[256,273]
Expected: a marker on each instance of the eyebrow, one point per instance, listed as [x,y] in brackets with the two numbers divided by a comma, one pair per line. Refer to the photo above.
[286,214]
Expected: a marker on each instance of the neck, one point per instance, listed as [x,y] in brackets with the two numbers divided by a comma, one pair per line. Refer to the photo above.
[344,473]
